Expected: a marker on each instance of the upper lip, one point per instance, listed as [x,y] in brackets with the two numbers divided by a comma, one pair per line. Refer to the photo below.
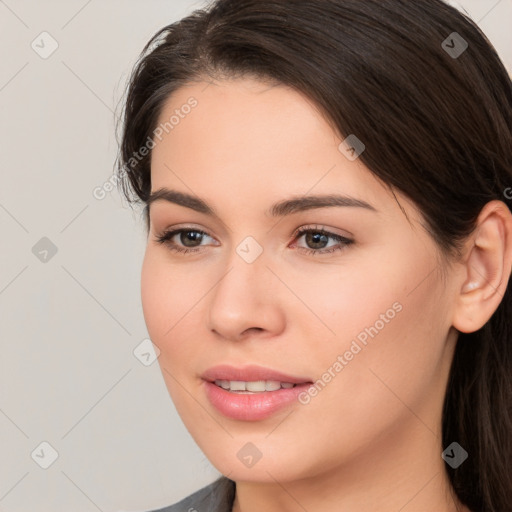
[250,373]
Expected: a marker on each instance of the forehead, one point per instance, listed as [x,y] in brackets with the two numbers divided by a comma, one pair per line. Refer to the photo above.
[245,115]
[249,140]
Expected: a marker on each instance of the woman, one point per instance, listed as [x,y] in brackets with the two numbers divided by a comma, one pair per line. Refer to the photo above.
[327,196]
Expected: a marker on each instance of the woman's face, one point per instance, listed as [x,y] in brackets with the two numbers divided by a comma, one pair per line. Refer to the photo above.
[361,324]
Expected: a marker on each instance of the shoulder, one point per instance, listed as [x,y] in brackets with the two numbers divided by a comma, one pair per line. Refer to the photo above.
[216,497]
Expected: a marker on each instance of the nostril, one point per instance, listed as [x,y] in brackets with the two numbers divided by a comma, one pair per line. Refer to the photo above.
[253,329]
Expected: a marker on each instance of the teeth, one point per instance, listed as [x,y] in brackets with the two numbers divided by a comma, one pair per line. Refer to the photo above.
[258,386]
[272,385]
[237,385]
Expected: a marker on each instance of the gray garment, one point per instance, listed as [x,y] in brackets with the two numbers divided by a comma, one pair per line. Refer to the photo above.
[216,497]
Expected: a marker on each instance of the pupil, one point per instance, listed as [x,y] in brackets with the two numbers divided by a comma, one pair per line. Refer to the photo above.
[316,238]
[194,235]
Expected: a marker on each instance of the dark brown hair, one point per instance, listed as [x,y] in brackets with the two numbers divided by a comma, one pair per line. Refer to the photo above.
[437,125]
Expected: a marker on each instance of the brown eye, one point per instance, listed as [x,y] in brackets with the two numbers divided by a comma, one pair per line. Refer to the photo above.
[317,240]
[187,239]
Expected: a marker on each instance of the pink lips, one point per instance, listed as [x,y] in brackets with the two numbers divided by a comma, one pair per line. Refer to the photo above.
[250,407]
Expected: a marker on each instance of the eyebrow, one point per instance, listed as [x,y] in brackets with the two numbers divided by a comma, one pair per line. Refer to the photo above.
[279,209]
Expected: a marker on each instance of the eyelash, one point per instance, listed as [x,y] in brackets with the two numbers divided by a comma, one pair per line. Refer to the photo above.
[166,236]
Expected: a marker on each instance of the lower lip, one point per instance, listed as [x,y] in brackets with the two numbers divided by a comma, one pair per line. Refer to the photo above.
[253,406]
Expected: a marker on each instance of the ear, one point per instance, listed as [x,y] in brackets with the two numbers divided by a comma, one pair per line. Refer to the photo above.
[487,266]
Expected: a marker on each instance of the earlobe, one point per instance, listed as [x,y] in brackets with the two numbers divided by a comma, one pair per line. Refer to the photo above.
[487,268]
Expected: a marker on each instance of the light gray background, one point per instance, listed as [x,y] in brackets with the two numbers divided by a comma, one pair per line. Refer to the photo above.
[69,326]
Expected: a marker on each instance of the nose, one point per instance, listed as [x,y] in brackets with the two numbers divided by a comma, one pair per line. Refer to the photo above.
[244,303]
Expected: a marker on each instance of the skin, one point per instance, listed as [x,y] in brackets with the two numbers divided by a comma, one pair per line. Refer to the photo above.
[373,434]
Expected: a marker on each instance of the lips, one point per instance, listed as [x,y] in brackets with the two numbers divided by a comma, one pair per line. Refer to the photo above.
[251,393]
[250,374]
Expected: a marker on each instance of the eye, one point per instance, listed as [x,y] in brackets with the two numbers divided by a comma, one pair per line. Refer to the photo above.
[318,236]
[187,236]
[191,238]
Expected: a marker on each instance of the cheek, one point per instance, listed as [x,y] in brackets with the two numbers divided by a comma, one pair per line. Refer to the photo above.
[164,295]
[400,365]
[152,294]
[171,301]
[345,299]
[387,322]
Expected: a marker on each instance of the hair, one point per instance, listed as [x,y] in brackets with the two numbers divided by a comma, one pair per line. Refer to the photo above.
[436,126]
